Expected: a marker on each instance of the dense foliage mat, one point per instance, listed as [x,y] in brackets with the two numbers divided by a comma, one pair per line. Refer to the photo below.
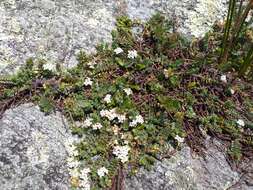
[137,99]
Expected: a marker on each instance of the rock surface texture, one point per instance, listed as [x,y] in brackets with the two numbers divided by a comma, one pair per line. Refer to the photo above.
[183,171]
[56,30]
[32,153]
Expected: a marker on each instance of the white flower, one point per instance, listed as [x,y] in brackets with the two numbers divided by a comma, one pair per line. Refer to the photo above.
[112,114]
[72,163]
[166,73]
[102,172]
[87,122]
[115,129]
[232,91]
[132,54]
[70,147]
[103,113]
[71,150]
[132,123]
[84,182]
[84,172]
[50,67]
[118,50]
[223,78]
[126,142]
[88,82]
[91,64]
[74,173]
[128,91]
[121,152]
[138,119]
[108,98]
[97,126]
[121,118]
[179,139]
[240,122]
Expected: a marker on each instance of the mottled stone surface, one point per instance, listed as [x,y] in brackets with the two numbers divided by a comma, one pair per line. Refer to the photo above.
[56,30]
[32,151]
[188,172]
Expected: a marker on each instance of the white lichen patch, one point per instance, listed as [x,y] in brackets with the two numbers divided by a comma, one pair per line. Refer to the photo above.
[38,152]
[201,19]
[192,17]
[64,27]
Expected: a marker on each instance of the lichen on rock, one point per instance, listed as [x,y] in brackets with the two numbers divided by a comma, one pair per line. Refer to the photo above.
[32,152]
[57,30]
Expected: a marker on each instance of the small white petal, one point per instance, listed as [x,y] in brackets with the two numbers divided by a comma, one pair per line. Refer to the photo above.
[128,91]
[74,173]
[87,122]
[240,122]
[102,172]
[97,126]
[91,64]
[118,50]
[107,98]
[232,91]
[179,139]
[223,78]
[88,82]
[132,54]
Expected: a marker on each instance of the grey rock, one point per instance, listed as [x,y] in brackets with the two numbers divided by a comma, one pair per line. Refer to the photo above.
[184,171]
[32,151]
[56,30]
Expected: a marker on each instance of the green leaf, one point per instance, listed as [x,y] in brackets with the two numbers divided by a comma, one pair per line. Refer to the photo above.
[120,62]
[146,161]
[46,105]
[170,104]
[85,104]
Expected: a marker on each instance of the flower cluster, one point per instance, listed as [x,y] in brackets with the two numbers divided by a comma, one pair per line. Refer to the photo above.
[112,114]
[179,139]
[70,147]
[84,180]
[102,172]
[88,82]
[72,163]
[108,98]
[138,120]
[121,152]
[87,122]
[97,126]
[132,54]
[128,91]
[118,51]
[223,78]
[166,73]
[92,64]
[240,122]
